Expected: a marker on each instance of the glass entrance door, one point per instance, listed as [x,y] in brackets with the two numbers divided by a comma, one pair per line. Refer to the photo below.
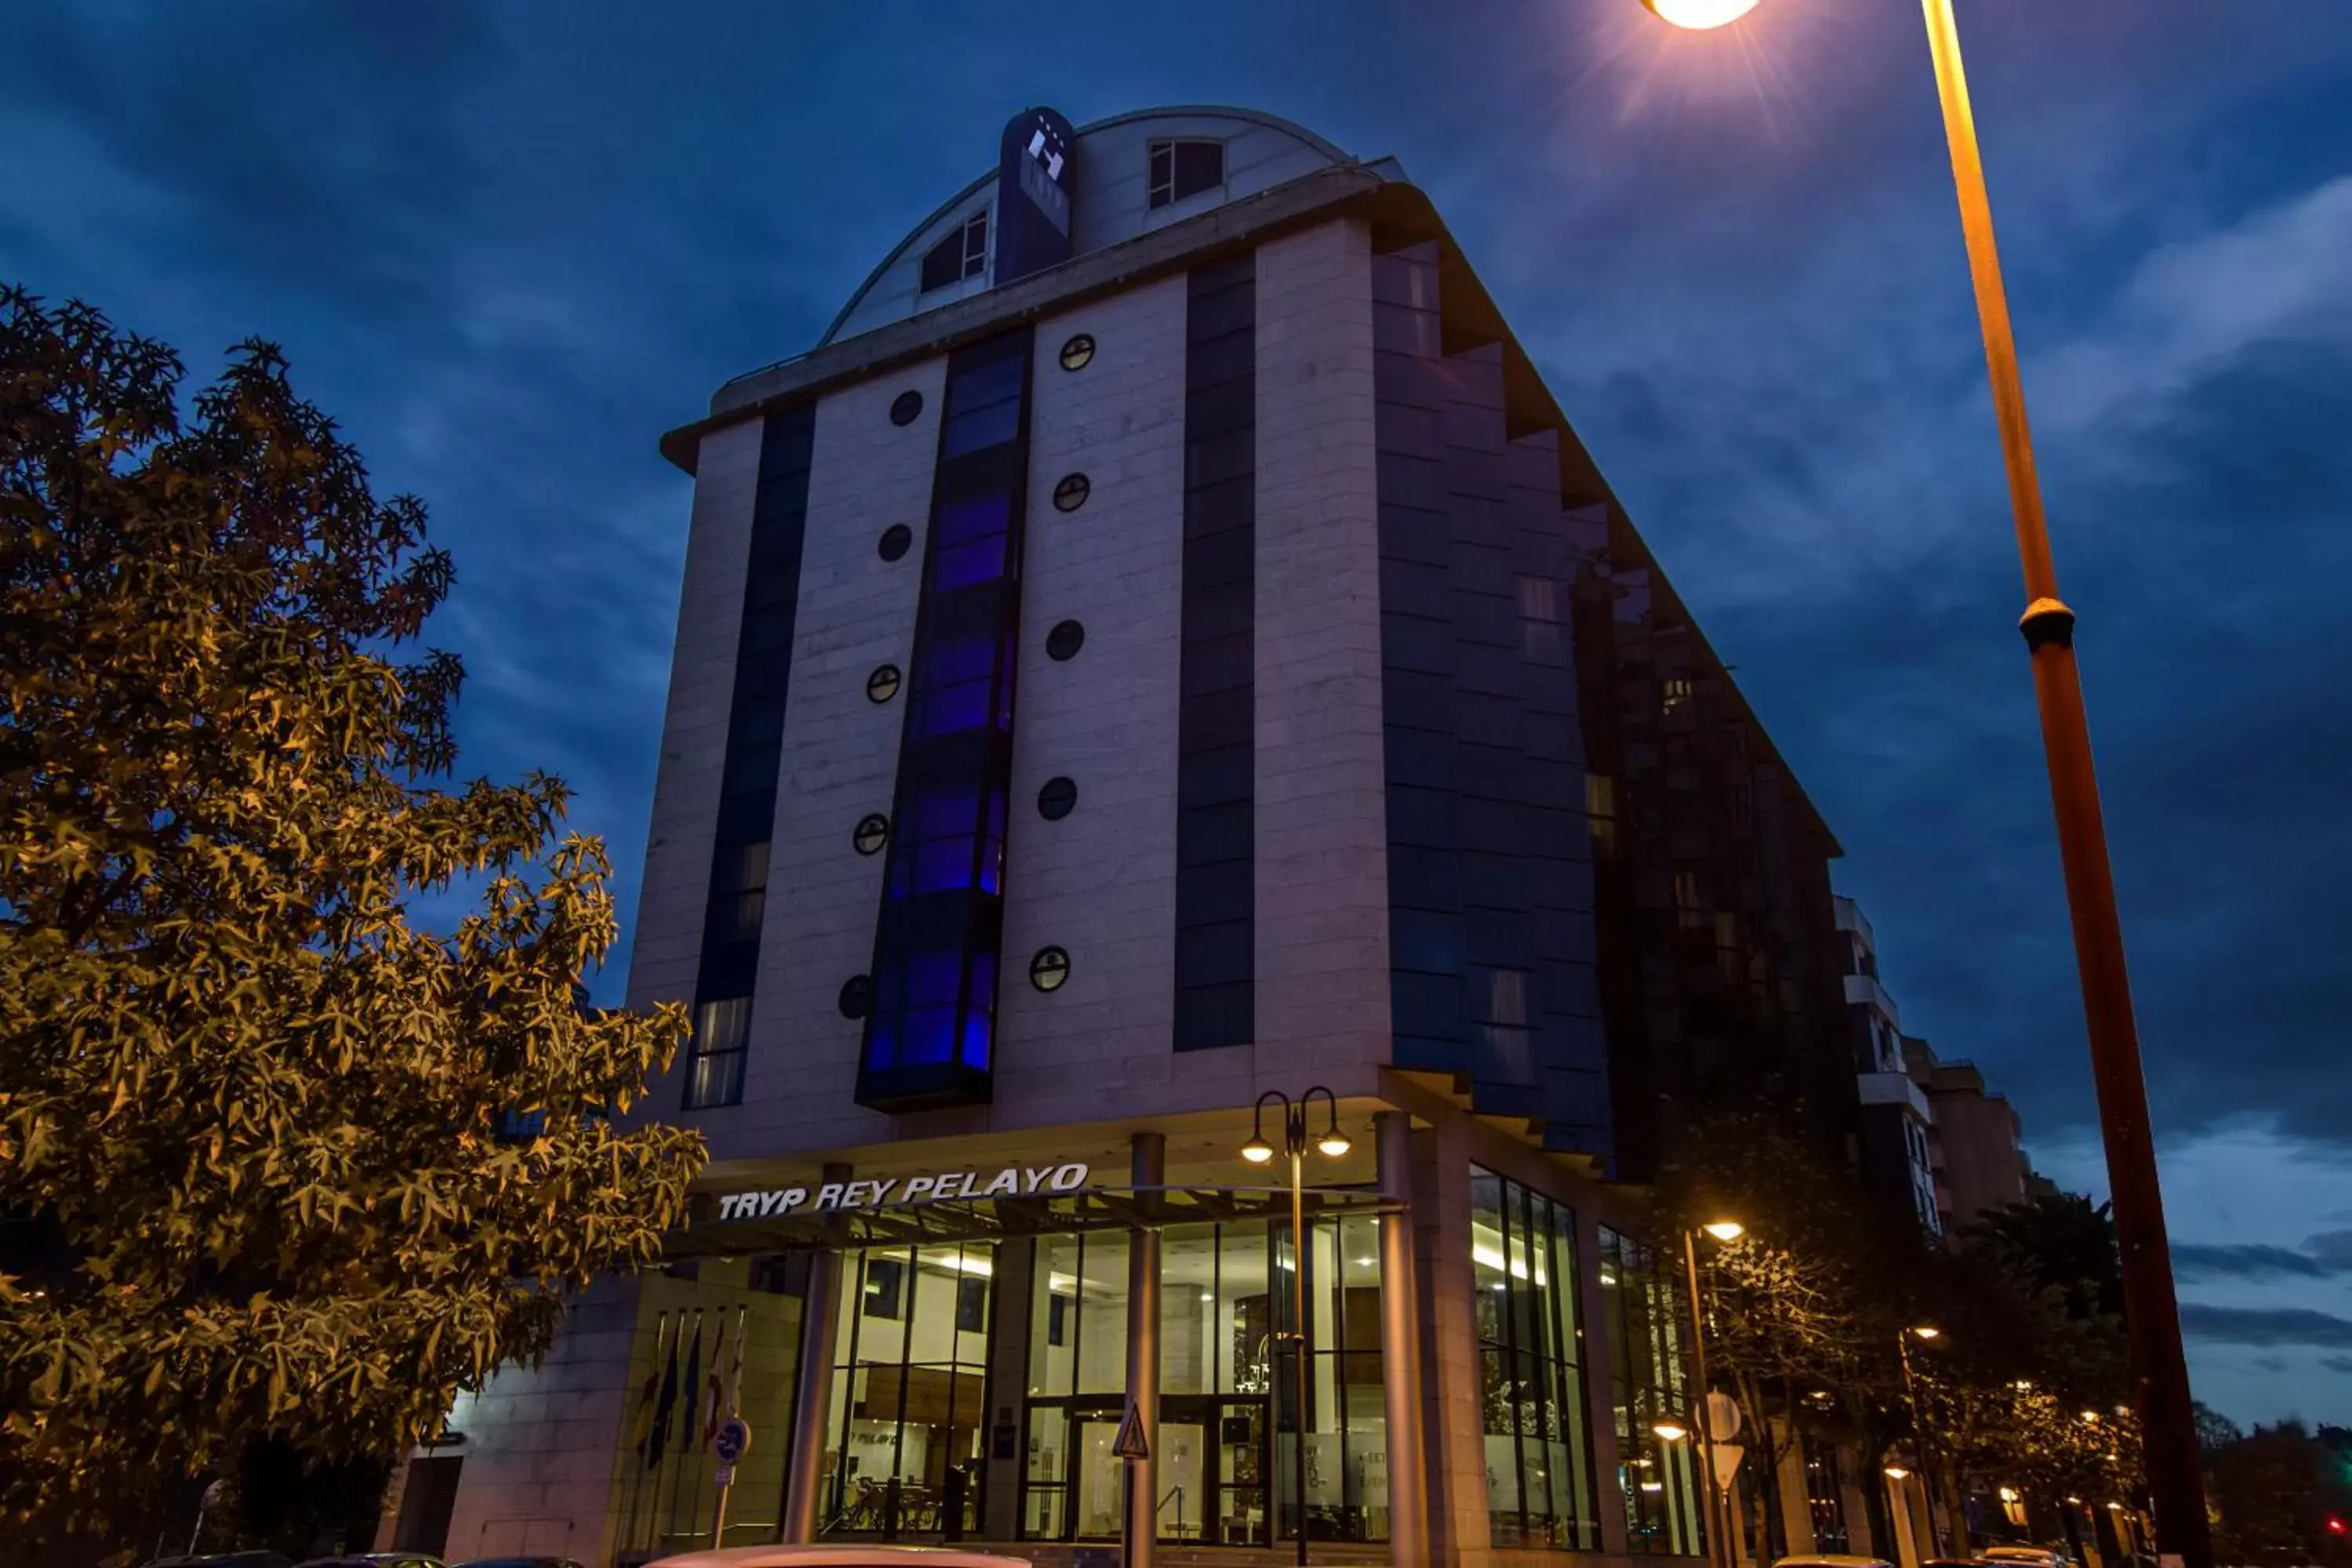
[1098,1478]
[1187,1500]
[1244,1464]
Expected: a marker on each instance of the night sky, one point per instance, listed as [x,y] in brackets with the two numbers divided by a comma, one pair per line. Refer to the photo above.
[509,246]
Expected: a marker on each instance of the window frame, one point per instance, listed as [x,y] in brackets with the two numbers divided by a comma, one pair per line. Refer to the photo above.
[1159,193]
[971,255]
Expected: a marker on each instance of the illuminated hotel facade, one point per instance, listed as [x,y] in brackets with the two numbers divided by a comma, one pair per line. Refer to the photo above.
[1160,647]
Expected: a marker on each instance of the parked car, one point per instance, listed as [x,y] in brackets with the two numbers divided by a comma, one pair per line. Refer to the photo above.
[1831,1560]
[226,1560]
[849,1555]
[2028,1556]
[375,1560]
[520,1562]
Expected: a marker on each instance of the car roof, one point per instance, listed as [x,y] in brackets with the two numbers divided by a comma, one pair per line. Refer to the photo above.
[1830,1560]
[841,1556]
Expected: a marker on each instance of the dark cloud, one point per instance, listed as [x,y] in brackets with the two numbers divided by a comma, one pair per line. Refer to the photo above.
[2265,1325]
[2192,1260]
[506,246]
[2339,1364]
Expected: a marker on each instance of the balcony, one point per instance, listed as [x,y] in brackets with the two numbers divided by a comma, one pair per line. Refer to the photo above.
[1895,1089]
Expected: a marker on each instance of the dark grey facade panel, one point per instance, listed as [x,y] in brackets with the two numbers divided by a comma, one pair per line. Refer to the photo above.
[1216,846]
[755,735]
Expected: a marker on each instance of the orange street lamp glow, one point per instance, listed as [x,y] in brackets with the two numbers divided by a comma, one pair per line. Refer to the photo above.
[1672,1431]
[1700,14]
[1725,1229]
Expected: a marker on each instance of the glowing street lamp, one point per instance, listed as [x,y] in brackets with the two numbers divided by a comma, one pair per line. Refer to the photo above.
[1700,16]
[2176,1467]
[1725,1229]
[1672,1431]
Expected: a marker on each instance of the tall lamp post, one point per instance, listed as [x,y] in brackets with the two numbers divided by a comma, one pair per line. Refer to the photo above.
[1332,1144]
[1718,1510]
[2176,1476]
[1919,1426]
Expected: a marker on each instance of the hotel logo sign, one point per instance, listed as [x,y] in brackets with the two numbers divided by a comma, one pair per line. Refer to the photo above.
[1011,1181]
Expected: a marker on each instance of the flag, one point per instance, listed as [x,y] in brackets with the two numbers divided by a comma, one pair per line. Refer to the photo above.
[712,1385]
[693,1385]
[735,1373]
[664,1405]
[643,1430]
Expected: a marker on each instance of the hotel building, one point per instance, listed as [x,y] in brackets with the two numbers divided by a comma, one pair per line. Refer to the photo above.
[1160,649]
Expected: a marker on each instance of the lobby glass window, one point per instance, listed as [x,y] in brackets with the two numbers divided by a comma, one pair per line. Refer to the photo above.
[1538,1440]
[1643,1317]
[1184,168]
[1227,1415]
[904,1442]
[962,255]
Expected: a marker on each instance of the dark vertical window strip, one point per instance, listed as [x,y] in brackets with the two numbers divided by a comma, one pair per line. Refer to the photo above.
[930,1033]
[1491,977]
[1216,846]
[755,733]
[1430,995]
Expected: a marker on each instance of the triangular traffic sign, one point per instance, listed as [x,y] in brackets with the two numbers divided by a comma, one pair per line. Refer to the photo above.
[1129,1443]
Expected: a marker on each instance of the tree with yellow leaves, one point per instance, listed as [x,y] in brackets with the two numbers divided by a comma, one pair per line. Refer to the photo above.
[276,1164]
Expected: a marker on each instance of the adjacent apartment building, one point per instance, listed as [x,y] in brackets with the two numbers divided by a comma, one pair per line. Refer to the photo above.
[1934,1138]
[1162,650]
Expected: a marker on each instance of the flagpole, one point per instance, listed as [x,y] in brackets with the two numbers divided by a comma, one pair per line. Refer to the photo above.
[678,1476]
[644,1435]
[733,1386]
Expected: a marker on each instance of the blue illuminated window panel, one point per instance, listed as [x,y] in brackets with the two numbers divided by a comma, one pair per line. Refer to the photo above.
[929,1037]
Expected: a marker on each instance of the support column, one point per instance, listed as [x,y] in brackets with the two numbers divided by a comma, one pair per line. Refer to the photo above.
[1401,1348]
[1008,1375]
[1453,1413]
[813,1392]
[1151,1170]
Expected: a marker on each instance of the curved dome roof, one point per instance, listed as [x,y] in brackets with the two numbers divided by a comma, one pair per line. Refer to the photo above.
[1109,199]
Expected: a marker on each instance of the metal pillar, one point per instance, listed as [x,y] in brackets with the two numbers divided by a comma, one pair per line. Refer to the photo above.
[2176,1475]
[1408,1476]
[1719,1549]
[1150,1171]
[813,1392]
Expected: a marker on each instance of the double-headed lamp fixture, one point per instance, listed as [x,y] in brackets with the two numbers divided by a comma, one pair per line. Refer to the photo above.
[1332,1144]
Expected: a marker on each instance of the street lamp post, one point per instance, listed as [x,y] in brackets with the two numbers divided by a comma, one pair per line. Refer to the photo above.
[1718,1511]
[2160,1371]
[1332,1144]
[1919,1428]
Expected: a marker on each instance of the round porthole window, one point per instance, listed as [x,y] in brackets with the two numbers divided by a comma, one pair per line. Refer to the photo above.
[1050,970]
[1064,640]
[1071,492]
[897,539]
[1077,352]
[857,996]
[1057,799]
[873,832]
[906,408]
[883,684]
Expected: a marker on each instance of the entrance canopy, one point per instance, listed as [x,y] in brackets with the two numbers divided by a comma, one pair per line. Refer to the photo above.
[954,1219]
